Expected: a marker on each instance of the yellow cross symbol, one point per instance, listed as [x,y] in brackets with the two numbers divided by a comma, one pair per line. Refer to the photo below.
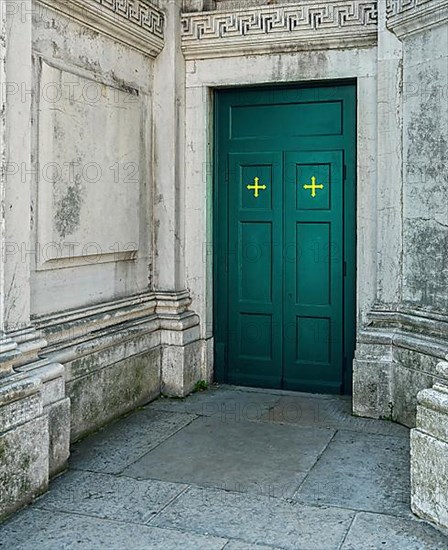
[256,187]
[313,186]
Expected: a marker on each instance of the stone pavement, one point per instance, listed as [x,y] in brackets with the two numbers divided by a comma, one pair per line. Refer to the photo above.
[232,468]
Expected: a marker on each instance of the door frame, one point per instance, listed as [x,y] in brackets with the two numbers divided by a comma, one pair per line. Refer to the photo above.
[349,223]
[203,76]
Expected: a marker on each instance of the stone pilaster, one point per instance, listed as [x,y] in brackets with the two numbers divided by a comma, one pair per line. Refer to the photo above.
[183,352]
[169,143]
[373,367]
[182,348]
[429,453]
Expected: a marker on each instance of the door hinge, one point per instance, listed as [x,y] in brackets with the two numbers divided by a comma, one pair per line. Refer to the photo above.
[345,172]
[345,268]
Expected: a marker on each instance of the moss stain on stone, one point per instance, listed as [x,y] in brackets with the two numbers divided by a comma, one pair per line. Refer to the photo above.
[68,210]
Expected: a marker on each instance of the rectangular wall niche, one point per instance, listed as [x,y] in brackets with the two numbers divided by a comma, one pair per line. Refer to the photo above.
[88,171]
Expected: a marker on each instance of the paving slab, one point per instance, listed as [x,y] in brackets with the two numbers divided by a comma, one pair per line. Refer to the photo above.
[327,412]
[264,459]
[256,519]
[349,487]
[229,404]
[109,496]
[373,531]
[361,471]
[36,529]
[114,448]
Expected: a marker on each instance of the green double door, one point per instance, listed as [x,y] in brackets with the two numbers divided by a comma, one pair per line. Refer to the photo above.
[284,214]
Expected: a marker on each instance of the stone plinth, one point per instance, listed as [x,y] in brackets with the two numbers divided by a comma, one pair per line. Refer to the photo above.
[429,453]
[57,408]
[24,442]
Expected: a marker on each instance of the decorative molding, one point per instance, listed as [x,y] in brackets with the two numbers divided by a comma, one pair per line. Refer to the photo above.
[83,331]
[312,24]
[135,23]
[20,347]
[78,325]
[408,329]
[140,12]
[9,355]
[411,320]
[407,17]
[396,7]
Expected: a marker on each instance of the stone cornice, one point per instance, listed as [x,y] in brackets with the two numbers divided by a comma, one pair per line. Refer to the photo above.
[135,23]
[75,333]
[413,321]
[312,24]
[409,329]
[407,17]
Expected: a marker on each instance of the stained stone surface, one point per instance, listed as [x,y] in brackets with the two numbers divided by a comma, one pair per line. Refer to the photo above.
[373,531]
[362,471]
[162,478]
[23,464]
[108,496]
[238,545]
[263,459]
[55,530]
[225,401]
[257,519]
[122,443]
[324,411]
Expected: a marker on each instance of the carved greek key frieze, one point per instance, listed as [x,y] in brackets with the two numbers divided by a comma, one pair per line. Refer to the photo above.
[394,7]
[140,12]
[312,24]
[273,20]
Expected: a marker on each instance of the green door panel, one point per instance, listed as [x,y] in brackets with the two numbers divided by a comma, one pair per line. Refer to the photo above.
[313,279]
[285,237]
[255,269]
[298,118]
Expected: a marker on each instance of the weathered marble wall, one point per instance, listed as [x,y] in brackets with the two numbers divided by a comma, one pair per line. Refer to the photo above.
[425,150]
[92,322]
[92,189]
[92,207]
[422,27]
[406,333]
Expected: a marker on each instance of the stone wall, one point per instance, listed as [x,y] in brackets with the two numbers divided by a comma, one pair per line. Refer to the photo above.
[406,333]
[422,27]
[92,206]
[425,142]
[95,318]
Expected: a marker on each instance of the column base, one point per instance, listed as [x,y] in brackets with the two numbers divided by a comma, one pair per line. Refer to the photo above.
[372,375]
[57,408]
[429,454]
[24,442]
[182,354]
